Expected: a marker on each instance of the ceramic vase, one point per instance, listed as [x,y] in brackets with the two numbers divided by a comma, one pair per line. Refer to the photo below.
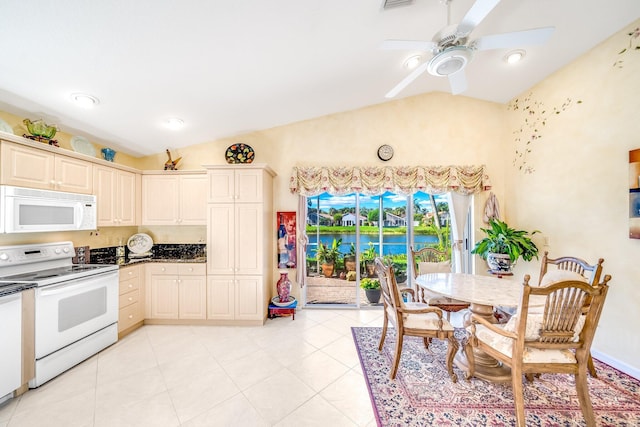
[284,287]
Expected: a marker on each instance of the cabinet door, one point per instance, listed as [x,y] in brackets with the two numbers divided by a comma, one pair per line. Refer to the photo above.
[105,181]
[193,297]
[248,186]
[193,199]
[160,200]
[220,298]
[248,298]
[126,198]
[27,167]
[221,240]
[73,175]
[249,238]
[164,297]
[221,186]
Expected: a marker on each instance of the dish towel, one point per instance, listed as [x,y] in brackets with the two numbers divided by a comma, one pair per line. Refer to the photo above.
[491,209]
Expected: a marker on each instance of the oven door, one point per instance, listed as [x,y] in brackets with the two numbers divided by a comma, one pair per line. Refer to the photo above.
[71,310]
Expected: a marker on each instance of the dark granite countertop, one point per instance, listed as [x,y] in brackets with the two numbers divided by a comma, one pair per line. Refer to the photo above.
[13,288]
[182,253]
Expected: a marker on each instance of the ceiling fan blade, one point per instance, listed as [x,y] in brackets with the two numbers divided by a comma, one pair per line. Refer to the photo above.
[514,39]
[458,82]
[474,16]
[407,80]
[408,45]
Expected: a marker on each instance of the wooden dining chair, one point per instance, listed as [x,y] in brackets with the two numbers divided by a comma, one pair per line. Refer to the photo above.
[551,333]
[431,260]
[566,264]
[411,319]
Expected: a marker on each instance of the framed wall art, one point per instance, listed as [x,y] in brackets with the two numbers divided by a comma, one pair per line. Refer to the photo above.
[634,194]
[286,226]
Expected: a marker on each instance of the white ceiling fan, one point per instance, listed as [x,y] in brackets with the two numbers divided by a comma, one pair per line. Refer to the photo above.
[452,53]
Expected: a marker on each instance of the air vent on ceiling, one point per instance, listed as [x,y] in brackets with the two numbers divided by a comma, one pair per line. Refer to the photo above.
[390,4]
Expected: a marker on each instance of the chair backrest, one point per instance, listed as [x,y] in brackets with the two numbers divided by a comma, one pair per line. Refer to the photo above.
[568,319]
[429,255]
[590,272]
[390,294]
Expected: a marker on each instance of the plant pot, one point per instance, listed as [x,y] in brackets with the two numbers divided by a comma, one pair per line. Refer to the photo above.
[350,263]
[499,263]
[373,295]
[327,269]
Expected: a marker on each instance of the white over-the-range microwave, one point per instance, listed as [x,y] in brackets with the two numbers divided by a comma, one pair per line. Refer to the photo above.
[28,210]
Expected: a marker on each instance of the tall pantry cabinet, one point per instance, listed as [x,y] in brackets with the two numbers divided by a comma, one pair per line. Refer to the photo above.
[240,222]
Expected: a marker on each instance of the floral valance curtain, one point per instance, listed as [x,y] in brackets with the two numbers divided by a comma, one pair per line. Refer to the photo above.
[315,180]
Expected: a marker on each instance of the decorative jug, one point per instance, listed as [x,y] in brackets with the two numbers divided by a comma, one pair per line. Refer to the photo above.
[284,287]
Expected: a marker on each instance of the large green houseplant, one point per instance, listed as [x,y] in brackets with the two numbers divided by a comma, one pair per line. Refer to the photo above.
[503,246]
[327,255]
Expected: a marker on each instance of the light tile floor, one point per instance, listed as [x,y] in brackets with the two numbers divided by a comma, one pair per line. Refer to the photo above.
[302,372]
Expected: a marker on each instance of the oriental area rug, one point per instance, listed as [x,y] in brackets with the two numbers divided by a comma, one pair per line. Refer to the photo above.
[423,394]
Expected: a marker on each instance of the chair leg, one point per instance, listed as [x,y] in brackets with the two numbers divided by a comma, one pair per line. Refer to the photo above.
[426,341]
[471,360]
[385,322]
[448,316]
[452,349]
[583,396]
[591,367]
[516,381]
[396,357]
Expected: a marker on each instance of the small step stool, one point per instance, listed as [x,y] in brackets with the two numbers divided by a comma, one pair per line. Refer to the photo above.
[278,311]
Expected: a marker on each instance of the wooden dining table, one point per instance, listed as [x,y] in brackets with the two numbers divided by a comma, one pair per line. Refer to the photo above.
[483,293]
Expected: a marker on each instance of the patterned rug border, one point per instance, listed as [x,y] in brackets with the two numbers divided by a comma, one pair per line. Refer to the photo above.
[621,395]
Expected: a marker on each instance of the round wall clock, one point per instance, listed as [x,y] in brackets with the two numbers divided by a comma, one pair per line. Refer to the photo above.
[385,152]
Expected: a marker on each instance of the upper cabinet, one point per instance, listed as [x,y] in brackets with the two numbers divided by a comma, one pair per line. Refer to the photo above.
[118,194]
[24,166]
[174,198]
[236,185]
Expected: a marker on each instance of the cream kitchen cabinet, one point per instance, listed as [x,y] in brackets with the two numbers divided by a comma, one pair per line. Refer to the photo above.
[174,198]
[118,193]
[131,314]
[176,291]
[24,166]
[240,242]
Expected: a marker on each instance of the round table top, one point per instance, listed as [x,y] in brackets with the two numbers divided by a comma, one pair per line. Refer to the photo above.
[485,290]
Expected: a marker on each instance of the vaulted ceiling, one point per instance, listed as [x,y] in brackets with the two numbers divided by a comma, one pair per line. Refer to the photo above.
[230,67]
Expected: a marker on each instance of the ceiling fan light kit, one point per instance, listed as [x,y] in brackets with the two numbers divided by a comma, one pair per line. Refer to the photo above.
[449,61]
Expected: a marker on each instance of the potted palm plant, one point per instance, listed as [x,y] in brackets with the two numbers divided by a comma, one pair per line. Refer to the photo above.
[327,256]
[367,256]
[503,246]
[350,259]
[371,289]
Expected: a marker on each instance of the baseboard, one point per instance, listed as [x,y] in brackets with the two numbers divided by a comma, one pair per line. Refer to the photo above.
[621,366]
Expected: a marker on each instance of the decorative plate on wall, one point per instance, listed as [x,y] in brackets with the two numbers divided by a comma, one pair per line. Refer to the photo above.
[140,243]
[239,153]
[82,145]
[4,127]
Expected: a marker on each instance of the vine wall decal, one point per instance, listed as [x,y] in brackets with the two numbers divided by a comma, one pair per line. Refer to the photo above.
[634,45]
[536,117]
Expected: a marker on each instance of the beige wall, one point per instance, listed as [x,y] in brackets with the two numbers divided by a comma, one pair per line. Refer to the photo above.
[578,195]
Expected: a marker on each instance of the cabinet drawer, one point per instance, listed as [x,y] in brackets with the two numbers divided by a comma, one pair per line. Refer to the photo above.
[129,298]
[129,316]
[192,269]
[129,285]
[162,268]
[128,273]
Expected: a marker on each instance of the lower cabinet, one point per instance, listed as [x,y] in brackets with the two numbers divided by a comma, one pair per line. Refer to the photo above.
[235,298]
[176,291]
[131,302]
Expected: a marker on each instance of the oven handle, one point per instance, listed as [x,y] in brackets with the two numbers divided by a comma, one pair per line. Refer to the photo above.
[72,284]
[9,298]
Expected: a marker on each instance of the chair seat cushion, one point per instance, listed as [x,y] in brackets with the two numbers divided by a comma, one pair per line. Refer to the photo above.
[425,321]
[531,355]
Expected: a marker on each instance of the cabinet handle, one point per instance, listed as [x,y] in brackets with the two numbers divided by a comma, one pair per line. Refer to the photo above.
[130,285]
[130,298]
[130,273]
[131,316]
[162,269]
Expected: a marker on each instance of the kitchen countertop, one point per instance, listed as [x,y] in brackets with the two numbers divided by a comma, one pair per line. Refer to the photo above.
[13,288]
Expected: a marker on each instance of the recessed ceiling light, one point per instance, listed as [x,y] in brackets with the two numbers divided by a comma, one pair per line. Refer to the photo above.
[85,100]
[514,56]
[412,62]
[174,123]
